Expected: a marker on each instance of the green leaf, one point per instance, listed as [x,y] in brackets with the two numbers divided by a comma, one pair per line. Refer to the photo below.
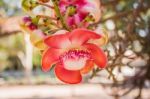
[2,3]
[29,5]
[35,20]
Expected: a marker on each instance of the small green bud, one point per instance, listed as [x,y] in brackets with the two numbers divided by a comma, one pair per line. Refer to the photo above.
[89,18]
[71,10]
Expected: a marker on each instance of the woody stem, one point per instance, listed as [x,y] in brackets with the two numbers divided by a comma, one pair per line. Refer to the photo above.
[60,17]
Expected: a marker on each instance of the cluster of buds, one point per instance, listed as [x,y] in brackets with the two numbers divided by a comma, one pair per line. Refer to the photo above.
[66,14]
[67,31]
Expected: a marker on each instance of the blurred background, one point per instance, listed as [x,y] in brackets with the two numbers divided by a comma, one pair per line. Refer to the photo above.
[126,77]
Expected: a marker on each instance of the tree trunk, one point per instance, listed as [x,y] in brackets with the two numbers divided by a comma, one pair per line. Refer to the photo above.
[28,57]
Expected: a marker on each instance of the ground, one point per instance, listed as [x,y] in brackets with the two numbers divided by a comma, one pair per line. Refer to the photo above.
[81,91]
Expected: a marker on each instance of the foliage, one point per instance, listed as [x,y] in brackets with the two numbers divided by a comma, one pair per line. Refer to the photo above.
[129,25]
[9,52]
[10,8]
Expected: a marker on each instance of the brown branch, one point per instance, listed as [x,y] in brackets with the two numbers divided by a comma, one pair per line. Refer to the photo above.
[9,26]
[110,3]
[9,33]
[121,14]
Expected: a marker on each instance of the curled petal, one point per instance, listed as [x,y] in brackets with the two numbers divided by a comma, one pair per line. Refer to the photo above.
[58,41]
[67,76]
[36,37]
[81,36]
[50,57]
[105,35]
[25,29]
[103,40]
[40,45]
[37,41]
[98,55]
[88,67]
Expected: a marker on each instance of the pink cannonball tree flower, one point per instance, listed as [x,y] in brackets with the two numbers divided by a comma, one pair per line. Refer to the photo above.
[73,55]
[80,11]
[73,49]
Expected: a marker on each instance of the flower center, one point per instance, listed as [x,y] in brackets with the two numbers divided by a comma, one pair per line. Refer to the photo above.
[75,59]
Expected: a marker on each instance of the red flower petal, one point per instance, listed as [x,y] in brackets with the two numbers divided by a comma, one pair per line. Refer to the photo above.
[49,58]
[67,76]
[58,41]
[80,36]
[97,54]
[88,67]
